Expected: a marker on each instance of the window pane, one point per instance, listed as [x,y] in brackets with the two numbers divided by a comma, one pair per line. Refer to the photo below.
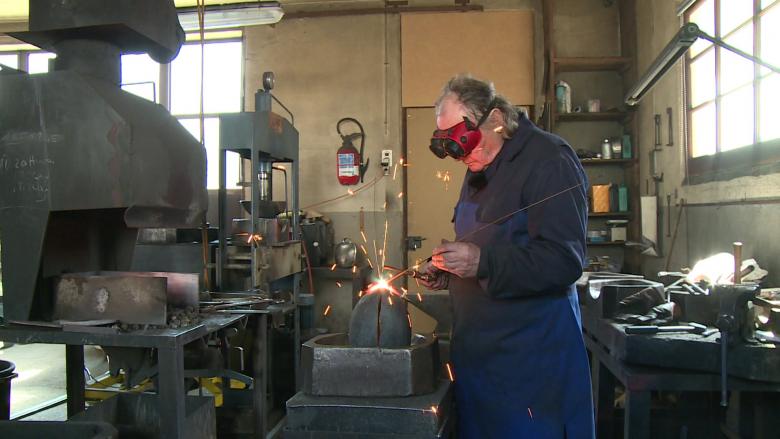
[38,62]
[770,35]
[736,71]
[223,79]
[769,114]
[211,130]
[704,16]
[10,59]
[703,131]
[703,78]
[185,81]
[733,13]
[737,122]
[141,76]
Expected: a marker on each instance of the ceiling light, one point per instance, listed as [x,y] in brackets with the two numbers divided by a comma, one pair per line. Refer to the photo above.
[227,16]
[682,41]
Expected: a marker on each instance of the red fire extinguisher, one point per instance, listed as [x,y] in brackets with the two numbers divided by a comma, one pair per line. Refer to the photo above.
[349,165]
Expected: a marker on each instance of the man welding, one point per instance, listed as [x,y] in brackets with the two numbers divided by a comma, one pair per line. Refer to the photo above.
[517,349]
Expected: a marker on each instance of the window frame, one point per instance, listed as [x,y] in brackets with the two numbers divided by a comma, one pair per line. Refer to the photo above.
[760,157]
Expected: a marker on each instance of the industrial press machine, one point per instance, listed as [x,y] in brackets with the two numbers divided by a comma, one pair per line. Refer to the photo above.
[85,169]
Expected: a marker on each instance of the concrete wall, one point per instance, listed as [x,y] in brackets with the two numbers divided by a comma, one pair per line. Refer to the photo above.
[704,230]
[334,67]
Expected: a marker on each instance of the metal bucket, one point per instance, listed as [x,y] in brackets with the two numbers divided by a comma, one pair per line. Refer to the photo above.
[6,375]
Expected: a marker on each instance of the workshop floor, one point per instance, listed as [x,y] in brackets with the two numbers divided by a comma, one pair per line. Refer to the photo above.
[41,370]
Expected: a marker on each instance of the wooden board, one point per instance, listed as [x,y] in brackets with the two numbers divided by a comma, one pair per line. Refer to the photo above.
[495,46]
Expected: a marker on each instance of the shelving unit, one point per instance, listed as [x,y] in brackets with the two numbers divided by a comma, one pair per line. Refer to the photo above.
[614,116]
[614,119]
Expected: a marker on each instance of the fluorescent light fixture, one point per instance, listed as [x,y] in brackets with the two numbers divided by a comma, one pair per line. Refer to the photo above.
[680,44]
[236,15]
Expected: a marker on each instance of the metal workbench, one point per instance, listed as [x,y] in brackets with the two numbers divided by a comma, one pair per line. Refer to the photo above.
[607,343]
[169,345]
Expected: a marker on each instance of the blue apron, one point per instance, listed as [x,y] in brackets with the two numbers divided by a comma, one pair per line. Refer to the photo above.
[520,363]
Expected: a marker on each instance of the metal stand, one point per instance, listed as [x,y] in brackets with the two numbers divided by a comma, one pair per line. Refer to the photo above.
[169,344]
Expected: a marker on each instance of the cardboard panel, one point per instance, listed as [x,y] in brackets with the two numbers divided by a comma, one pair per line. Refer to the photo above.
[495,46]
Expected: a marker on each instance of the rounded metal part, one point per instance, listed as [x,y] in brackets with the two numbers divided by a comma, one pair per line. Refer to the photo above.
[380,320]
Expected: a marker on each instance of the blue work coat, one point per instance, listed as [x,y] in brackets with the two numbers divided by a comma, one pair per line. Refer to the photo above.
[517,349]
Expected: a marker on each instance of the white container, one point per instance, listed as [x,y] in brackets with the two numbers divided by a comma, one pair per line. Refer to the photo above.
[606,149]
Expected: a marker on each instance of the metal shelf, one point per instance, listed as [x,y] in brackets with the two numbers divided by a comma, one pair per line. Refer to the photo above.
[609,215]
[586,162]
[608,116]
[592,64]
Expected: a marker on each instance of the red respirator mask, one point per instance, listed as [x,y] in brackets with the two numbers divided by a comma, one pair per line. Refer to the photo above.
[460,139]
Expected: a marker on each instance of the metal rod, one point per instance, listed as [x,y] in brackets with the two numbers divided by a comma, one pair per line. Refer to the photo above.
[536,203]
[719,42]
[737,263]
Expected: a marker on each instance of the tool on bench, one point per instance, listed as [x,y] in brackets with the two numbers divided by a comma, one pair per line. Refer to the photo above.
[694,328]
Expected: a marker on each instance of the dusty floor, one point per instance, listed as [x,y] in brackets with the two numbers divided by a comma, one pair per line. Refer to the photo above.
[41,370]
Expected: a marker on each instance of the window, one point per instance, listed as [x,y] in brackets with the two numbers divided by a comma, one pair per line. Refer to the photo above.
[223,74]
[731,100]
[38,62]
[10,60]
[141,76]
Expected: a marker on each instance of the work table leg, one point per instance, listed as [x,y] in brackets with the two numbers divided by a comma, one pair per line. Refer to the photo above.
[170,394]
[604,393]
[636,424]
[74,378]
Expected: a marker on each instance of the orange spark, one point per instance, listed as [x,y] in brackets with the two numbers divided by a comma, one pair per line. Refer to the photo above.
[338,284]
[248,240]
[333,267]
[384,205]
[434,409]
[400,194]
[360,294]
[327,310]
[401,161]
[395,170]
[404,290]
[408,317]
[449,372]
[369,262]
[354,269]
[376,253]
[384,248]
[419,296]
[350,192]
[390,300]
[362,247]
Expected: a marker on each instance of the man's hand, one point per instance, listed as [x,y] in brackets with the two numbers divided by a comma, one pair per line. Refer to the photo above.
[458,258]
[439,280]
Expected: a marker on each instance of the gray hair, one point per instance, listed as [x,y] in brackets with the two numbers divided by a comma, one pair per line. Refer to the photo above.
[477,97]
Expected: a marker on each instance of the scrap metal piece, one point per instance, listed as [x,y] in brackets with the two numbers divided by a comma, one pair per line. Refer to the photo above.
[332,368]
[130,299]
[379,320]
